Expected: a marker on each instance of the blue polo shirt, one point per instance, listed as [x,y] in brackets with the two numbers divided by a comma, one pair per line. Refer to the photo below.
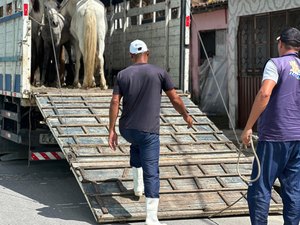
[141,87]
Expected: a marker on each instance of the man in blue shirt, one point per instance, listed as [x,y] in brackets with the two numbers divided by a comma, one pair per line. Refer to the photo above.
[140,85]
[277,106]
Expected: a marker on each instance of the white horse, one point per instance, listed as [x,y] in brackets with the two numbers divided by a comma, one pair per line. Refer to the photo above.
[51,35]
[88,28]
[60,33]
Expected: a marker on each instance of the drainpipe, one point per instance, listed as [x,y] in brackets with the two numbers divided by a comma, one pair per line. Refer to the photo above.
[182,45]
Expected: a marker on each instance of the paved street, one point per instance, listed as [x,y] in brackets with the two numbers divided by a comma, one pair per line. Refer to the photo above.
[47,193]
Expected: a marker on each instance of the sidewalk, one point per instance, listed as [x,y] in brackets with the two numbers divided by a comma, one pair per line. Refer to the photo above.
[233,220]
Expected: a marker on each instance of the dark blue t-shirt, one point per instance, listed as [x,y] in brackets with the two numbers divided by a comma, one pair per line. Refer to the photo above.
[141,87]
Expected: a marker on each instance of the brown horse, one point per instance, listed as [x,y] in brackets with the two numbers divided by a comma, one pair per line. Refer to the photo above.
[36,14]
[46,32]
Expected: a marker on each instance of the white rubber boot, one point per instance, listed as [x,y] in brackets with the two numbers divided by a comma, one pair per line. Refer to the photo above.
[138,183]
[152,208]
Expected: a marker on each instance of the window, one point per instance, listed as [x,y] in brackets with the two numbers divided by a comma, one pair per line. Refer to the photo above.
[175,13]
[209,42]
[257,39]
[147,17]
[1,11]
[18,5]
[143,12]
[9,9]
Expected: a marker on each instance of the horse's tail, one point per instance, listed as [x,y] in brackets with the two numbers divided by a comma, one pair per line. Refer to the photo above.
[90,46]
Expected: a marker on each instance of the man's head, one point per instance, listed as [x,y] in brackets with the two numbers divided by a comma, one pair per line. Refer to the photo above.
[137,47]
[290,37]
[139,51]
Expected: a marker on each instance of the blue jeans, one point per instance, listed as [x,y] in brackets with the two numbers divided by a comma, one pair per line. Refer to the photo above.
[144,152]
[278,160]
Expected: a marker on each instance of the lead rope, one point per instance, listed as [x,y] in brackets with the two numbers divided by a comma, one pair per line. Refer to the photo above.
[231,123]
[54,53]
[248,181]
[42,24]
[64,120]
[257,160]
[237,139]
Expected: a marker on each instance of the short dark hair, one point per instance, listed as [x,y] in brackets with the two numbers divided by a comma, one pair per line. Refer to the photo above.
[290,36]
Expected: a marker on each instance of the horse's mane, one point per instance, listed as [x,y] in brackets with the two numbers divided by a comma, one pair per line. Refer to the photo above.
[36,6]
[51,4]
[63,3]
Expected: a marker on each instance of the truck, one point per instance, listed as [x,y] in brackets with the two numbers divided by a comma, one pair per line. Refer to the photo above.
[197,166]
[157,24]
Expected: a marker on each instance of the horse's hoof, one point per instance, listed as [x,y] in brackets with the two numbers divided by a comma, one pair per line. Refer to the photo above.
[85,87]
[104,87]
[78,85]
[37,84]
[88,85]
[57,85]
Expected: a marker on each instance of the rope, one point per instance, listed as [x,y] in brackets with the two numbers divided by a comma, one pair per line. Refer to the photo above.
[257,161]
[39,23]
[57,74]
[243,178]
[63,4]
[29,132]
[232,204]
[54,53]
[234,131]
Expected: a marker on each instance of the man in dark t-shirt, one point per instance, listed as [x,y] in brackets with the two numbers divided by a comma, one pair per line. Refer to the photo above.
[141,85]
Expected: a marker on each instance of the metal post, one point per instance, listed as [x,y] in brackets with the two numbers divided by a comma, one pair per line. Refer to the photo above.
[182,44]
[167,34]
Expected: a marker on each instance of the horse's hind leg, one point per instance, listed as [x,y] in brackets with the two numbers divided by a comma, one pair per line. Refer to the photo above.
[62,68]
[37,61]
[76,83]
[69,66]
[45,63]
[103,85]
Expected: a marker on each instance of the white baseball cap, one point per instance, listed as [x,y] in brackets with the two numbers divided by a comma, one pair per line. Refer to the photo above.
[137,47]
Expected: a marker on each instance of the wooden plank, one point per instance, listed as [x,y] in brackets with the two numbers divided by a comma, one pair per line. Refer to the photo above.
[109,163]
[198,175]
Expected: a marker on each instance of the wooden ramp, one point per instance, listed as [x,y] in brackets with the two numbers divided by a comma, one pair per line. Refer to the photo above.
[197,165]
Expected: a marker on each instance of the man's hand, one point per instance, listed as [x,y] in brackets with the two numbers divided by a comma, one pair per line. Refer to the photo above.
[113,114]
[246,136]
[189,120]
[179,106]
[113,140]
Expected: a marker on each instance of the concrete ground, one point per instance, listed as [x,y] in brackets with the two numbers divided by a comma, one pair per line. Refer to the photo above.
[47,193]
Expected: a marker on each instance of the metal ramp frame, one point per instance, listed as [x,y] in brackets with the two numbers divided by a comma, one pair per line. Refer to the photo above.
[197,165]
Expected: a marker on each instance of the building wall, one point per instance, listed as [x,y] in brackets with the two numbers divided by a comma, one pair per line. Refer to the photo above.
[215,20]
[237,9]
